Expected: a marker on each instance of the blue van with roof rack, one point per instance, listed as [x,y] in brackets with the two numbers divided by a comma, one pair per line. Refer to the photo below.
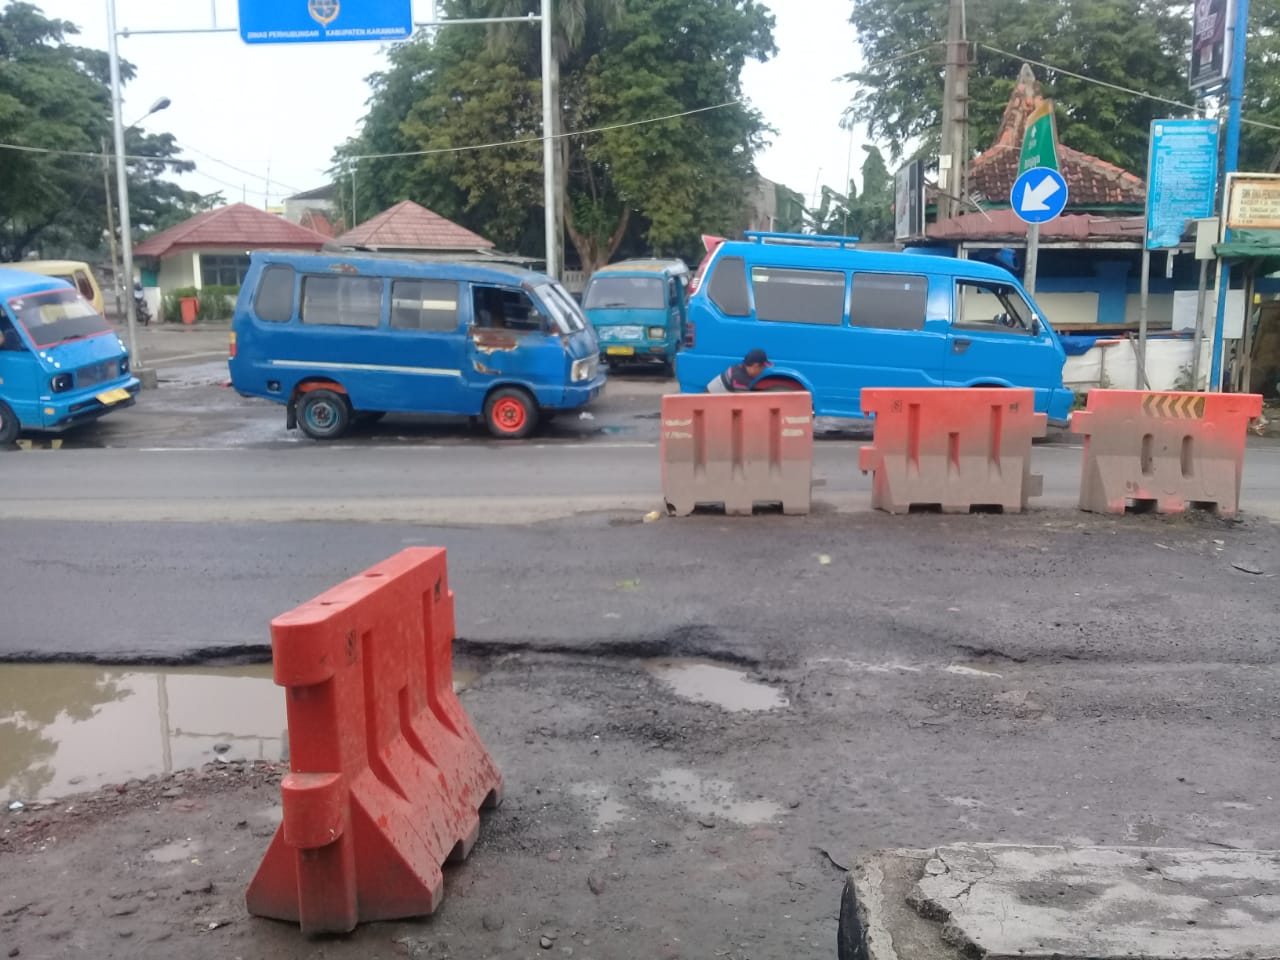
[835,319]
[61,363]
[638,309]
[339,338]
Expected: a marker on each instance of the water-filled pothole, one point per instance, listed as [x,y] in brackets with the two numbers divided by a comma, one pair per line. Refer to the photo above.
[714,683]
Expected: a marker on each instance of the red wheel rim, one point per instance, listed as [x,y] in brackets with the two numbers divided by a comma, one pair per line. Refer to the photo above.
[509,415]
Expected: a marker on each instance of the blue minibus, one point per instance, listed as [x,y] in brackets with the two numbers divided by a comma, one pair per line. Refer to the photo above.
[834,319]
[638,310]
[61,363]
[343,337]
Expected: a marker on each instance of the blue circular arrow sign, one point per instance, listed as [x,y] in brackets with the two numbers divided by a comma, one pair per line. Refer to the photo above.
[1039,195]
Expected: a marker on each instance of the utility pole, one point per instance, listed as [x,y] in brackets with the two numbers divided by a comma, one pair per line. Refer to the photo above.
[953,162]
[111,225]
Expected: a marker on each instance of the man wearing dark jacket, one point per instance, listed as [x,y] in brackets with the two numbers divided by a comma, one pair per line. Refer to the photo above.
[738,378]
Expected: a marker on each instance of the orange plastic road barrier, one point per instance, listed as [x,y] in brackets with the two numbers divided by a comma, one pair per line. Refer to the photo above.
[1167,450]
[953,449]
[737,450]
[387,773]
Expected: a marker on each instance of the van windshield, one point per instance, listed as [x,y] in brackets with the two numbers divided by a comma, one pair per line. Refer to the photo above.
[630,293]
[56,316]
[562,307]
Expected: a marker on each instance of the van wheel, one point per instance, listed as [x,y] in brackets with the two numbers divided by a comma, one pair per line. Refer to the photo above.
[510,414]
[323,414]
[9,425]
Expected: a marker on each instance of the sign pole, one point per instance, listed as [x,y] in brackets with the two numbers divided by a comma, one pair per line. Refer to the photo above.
[1033,258]
[1202,292]
[1140,377]
[1231,163]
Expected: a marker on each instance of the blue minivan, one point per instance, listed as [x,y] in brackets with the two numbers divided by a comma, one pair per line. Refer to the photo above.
[339,338]
[834,319]
[61,363]
[638,308]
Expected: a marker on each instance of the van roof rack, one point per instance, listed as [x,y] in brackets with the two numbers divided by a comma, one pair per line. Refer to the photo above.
[805,239]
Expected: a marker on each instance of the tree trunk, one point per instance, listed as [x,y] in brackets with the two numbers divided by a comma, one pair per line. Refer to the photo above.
[591,251]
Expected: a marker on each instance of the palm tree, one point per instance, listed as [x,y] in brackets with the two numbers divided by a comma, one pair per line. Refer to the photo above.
[570,21]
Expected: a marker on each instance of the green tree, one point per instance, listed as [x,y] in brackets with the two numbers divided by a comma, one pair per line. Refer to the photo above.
[1260,147]
[1139,44]
[867,215]
[653,58]
[56,95]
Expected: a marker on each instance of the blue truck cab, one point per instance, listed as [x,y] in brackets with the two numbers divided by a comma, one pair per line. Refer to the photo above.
[638,309]
[835,319]
[61,363]
[342,337]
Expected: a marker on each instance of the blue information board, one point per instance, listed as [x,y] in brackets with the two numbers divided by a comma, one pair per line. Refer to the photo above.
[324,21]
[1182,178]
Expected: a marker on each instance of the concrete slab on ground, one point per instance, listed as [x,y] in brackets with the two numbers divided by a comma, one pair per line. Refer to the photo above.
[1006,902]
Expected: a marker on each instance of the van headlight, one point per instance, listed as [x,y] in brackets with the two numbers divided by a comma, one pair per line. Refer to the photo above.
[62,383]
[657,333]
[584,369]
[124,366]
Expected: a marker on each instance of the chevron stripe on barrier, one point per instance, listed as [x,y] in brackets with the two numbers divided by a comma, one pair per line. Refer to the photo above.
[1178,406]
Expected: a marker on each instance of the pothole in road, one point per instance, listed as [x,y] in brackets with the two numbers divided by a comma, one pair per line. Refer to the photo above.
[713,683]
[710,799]
[70,728]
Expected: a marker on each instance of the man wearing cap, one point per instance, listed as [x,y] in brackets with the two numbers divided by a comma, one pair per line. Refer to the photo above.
[738,378]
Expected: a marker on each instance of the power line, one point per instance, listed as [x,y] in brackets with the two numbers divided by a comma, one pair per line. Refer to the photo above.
[232,166]
[557,136]
[1114,86]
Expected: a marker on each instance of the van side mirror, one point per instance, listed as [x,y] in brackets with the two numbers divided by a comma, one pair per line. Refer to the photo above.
[1035,326]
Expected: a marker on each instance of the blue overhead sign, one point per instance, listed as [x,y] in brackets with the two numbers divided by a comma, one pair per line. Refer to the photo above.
[1182,178]
[324,21]
[1039,195]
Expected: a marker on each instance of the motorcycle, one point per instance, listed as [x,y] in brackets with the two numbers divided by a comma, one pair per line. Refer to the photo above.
[140,308]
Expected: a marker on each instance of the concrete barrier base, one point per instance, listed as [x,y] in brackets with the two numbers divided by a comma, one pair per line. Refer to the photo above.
[1004,902]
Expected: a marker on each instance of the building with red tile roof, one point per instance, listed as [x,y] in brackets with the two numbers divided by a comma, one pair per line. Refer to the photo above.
[212,248]
[411,228]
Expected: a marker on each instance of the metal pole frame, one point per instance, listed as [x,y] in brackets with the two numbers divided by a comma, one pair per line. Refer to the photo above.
[122,186]
[1230,165]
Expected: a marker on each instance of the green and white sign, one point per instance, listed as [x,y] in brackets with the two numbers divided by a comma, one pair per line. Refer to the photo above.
[1040,142]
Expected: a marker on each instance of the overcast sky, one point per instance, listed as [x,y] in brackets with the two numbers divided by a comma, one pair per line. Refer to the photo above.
[277,112]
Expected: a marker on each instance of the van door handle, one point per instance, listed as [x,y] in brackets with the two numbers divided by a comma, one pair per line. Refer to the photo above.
[960,345]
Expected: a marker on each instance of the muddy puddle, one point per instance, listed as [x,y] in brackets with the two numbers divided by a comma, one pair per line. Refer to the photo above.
[725,687]
[69,728]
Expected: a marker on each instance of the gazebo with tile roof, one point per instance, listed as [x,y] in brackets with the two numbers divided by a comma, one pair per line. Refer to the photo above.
[409,227]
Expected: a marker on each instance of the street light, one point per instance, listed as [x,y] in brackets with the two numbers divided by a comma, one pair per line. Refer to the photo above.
[162,104]
[122,178]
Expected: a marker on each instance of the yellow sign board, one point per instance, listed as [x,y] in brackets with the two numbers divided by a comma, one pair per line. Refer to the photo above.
[1253,201]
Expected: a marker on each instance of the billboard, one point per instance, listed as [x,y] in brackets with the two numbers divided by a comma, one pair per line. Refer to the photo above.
[324,21]
[1182,178]
[1211,43]
[908,205]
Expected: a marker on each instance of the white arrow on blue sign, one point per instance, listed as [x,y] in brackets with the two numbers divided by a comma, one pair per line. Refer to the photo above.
[1039,195]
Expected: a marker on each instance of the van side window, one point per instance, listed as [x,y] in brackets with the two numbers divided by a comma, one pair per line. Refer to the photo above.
[502,308]
[673,292]
[424,305]
[728,289]
[274,300]
[888,301]
[9,339]
[84,286]
[798,296]
[342,301]
[995,307]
